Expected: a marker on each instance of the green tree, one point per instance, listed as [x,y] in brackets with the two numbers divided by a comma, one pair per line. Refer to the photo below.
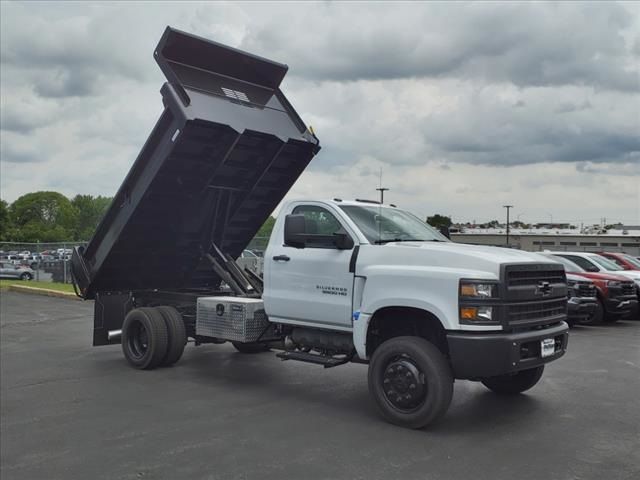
[43,217]
[266,228]
[438,221]
[5,221]
[90,211]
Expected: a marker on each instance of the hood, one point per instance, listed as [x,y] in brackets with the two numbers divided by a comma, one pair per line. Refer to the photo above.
[497,254]
[601,276]
[629,274]
[458,256]
[577,277]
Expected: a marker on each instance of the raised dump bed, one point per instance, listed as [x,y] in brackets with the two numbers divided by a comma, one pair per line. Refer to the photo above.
[226,149]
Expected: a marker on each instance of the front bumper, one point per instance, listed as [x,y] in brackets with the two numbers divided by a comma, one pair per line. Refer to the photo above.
[621,305]
[580,308]
[477,355]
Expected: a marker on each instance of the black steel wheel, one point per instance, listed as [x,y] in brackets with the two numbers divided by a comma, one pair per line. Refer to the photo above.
[250,347]
[144,338]
[177,335]
[410,381]
[515,383]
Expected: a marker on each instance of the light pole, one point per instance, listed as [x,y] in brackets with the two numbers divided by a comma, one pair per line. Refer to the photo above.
[382,190]
[508,207]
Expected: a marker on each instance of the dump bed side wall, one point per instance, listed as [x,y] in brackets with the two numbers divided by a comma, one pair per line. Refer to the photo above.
[213,169]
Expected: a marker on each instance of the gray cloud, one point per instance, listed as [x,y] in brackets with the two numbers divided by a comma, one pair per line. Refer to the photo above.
[525,44]
[429,92]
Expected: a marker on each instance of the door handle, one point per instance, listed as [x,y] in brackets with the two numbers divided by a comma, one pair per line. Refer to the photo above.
[281,258]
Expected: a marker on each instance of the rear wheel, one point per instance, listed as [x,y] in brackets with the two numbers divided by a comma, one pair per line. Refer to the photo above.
[516,383]
[410,381]
[26,277]
[250,347]
[176,333]
[144,338]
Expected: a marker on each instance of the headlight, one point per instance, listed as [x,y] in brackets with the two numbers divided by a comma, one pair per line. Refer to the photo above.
[477,290]
[613,283]
[476,314]
[571,283]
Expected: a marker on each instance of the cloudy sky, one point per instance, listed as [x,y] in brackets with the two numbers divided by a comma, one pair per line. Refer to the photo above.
[465,107]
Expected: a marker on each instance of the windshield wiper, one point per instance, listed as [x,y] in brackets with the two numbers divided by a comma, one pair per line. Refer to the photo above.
[389,240]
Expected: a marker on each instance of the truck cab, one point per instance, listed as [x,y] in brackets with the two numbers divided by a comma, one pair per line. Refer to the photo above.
[375,272]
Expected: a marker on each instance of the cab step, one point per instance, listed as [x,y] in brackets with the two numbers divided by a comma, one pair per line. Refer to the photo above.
[325,361]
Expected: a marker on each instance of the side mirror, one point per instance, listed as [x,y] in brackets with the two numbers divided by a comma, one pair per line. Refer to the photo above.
[342,240]
[445,231]
[294,231]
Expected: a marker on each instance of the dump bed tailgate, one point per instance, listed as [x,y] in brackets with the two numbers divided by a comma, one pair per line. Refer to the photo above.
[226,149]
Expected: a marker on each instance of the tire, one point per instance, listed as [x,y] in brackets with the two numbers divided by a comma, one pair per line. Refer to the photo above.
[403,362]
[516,383]
[26,277]
[598,315]
[176,333]
[250,347]
[144,338]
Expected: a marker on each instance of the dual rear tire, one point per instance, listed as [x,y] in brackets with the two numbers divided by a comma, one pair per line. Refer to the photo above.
[153,337]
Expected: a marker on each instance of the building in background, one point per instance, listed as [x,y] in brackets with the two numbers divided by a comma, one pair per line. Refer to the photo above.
[621,239]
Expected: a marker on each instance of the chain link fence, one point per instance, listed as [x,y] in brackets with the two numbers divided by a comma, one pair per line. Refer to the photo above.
[51,262]
[43,262]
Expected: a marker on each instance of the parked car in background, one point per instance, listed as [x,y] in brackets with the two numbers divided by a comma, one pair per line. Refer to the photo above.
[593,262]
[624,261]
[615,294]
[582,302]
[21,272]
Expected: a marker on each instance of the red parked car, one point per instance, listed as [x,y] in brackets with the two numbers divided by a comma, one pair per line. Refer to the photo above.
[616,294]
[623,260]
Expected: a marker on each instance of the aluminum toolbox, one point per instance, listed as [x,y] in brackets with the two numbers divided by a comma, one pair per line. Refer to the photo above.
[233,318]
[225,151]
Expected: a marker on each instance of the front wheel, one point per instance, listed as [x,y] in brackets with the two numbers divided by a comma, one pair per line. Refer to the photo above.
[410,381]
[598,314]
[26,277]
[516,383]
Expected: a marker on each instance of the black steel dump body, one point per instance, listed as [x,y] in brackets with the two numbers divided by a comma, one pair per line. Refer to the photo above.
[226,149]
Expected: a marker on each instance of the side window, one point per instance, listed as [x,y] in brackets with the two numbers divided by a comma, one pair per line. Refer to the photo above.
[583,262]
[318,221]
[619,262]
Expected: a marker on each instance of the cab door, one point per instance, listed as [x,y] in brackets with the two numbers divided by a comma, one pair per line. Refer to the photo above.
[311,285]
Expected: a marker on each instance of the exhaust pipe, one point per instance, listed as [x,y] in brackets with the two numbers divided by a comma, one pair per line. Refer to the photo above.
[114,335]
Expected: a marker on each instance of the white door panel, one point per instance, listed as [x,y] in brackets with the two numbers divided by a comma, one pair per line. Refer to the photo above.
[314,285]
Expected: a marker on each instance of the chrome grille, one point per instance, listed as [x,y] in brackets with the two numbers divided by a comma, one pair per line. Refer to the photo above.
[533,277]
[627,288]
[585,289]
[536,312]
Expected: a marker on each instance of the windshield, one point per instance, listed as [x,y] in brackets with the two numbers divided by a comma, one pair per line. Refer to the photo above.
[384,224]
[632,261]
[569,266]
[605,263]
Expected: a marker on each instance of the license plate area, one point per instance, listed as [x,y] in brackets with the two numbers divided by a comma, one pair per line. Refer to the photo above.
[547,347]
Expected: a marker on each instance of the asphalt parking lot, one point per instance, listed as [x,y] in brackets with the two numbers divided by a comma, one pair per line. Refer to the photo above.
[71,411]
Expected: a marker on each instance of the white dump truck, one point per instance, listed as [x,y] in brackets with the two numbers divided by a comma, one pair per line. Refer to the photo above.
[344,281]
